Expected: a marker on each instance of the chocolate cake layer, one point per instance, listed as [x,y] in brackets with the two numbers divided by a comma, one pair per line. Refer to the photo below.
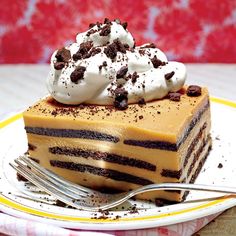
[197,155]
[105,156]
[152,144]
[195,141]
[167,145]
[171,173]
[192,180]
[177,174]
[196,173]
[200,165]
[71,133]
[108,173]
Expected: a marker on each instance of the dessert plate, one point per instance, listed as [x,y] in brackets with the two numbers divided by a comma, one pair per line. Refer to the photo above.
[26,201]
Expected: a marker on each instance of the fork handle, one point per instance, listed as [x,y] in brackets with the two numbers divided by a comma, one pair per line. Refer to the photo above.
[181,186]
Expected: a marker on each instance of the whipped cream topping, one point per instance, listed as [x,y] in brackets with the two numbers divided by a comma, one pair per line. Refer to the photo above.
[105,67]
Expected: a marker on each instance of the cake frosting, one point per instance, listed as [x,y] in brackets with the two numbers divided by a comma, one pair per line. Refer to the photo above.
[104,67]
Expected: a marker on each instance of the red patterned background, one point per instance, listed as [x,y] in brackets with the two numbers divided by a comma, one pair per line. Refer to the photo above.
[186,30]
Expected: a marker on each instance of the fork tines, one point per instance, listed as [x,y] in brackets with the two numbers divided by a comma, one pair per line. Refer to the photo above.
[71,194]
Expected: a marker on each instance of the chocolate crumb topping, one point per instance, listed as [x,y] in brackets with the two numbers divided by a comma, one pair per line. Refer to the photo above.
[77,56]
[85,47]
[142,52]
[134,77]
[168,76]
[122,72]
[194,91]
[77,74]
[126,45]
[220,165]
[91,25]
[120,46]
[107,21]
[111,50]
[83,50]
[59,65]
[121,99]
[140,117]
[92,31]
[156,62]
[174,96]
[141,101]
[106,30]
[63,55]
[93,52]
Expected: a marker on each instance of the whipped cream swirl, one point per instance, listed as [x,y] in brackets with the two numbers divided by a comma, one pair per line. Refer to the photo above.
[104,67]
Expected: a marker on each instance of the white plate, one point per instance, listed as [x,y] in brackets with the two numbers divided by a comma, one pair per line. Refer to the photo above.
[16,199]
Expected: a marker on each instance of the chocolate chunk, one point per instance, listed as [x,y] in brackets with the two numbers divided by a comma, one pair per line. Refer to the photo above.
[174,96]
[121,99]
[168,76]
[156,62]
[85,47]
[91,25]
[106,30]
[83,50]
[150,45]
[77,74]
[111,50]
[141,52]
[126,45]
[92,52]
[77,56]
[194,91]
[120,46]
[220,165]
[122,72]
[134,77]
[124,24]
[59,65]
[63,55]
[141,101]
[98,24]
[92,31]
[107,21]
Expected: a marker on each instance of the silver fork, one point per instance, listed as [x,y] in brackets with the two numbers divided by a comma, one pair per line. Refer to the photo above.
[87,199]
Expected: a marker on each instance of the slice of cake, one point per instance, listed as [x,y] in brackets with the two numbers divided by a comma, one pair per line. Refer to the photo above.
[119,116]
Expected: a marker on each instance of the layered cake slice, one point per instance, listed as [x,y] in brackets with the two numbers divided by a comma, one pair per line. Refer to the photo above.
[119,116]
